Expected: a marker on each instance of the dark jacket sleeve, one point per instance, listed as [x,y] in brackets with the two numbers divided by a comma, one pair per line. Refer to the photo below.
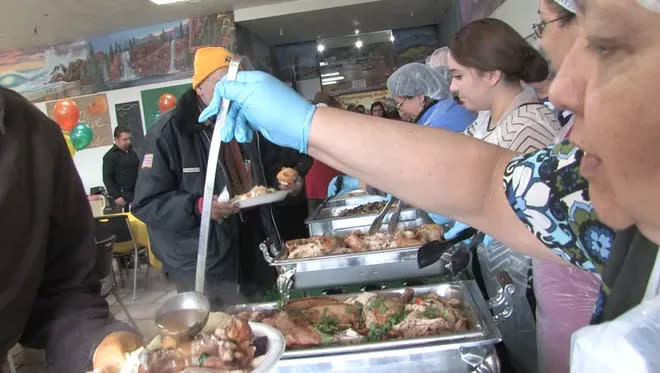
[108,177]
[68,317]
[159,202]
[275,157]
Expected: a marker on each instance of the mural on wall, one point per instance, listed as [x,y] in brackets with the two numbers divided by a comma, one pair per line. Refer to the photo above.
[368,98]
[128,58]
[153,101]
[128,116]
[94,112]
[475,9]
[414,44]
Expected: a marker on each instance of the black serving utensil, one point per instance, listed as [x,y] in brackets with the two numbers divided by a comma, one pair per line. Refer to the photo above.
[433,251]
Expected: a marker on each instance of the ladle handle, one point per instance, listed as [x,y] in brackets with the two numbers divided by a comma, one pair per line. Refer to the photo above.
[209,183]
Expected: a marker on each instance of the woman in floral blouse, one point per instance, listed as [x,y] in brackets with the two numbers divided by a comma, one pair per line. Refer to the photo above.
[606,80]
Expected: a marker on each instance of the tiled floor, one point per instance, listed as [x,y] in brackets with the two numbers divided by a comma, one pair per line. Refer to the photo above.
[142,309]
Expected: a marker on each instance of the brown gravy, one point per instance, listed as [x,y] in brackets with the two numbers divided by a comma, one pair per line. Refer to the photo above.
[180,321]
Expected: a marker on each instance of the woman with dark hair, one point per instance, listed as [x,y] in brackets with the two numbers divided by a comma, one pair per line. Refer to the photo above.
[377,109]
[489,61]
[361,109]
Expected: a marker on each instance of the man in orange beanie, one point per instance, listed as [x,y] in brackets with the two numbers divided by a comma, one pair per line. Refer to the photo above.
[170,187]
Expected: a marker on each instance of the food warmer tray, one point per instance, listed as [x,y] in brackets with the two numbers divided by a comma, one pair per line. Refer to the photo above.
[346,269]
[482,334]
[326,220]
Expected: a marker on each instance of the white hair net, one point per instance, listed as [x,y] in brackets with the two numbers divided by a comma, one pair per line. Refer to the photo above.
[569,5]
[416,79]
[438,58]
[653,5]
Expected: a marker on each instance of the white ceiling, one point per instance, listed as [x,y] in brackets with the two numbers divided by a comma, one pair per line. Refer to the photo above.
[32,23]
[58,21]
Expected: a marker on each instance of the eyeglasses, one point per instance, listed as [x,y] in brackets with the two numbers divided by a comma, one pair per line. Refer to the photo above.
[398,106]
[540,27]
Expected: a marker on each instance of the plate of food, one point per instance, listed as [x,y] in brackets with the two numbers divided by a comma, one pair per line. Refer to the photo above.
[259,195]
[225,344]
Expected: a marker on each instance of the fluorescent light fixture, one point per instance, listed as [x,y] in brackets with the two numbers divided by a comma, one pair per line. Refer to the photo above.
[392,38]
[330,74]
[333,79]
[165,2]
[359,44]
[328,83]
[323,63]
[320,48]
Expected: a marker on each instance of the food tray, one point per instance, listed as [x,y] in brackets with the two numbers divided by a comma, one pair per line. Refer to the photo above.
[326,220]
[482,332]
[354,268]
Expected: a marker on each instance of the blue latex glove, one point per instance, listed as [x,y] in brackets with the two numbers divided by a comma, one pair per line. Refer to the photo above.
[262,103]
[439,219]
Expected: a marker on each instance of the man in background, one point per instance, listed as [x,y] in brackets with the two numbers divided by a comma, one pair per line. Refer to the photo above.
[120,169]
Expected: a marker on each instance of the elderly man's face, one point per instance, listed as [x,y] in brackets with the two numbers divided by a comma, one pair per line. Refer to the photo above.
[205,89]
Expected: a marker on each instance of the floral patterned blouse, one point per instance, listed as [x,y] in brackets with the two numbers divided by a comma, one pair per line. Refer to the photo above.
[547,192]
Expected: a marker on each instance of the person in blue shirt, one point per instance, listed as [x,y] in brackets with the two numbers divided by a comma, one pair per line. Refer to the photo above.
[422,95]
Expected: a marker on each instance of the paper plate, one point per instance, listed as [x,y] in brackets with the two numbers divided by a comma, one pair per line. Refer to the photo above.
[263,199]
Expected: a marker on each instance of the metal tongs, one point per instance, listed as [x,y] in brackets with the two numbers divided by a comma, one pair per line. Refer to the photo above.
[209,182]
[378,222]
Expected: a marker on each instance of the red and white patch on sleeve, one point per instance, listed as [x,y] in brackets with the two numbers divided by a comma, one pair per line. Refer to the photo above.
[148,160]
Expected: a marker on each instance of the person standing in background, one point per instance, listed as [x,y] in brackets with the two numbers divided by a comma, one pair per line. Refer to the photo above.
[120,169]
[378,109]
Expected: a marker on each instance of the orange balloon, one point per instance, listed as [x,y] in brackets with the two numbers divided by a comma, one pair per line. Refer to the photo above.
[166,102]
[66,114]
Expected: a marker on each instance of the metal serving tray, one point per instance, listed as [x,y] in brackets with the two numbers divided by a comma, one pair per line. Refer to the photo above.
[326,220]
[483,330]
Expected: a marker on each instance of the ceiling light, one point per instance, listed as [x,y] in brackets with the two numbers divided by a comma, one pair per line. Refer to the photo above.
[165,2]
[334,78]
[357,32]
[320,48]
[323,63]
[359,44]
[330,74]
[392,38]
[328,83]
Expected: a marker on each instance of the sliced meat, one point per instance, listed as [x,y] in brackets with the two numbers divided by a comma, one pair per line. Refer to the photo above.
[381,307]
[355,242]
[414,325]
[203,344]
[256,315]
[297,332]
[236,329]
[431,232]
[346,315]
[302,304]
[167,361]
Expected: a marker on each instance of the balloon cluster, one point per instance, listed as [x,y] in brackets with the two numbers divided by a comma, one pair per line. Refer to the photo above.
[78,135]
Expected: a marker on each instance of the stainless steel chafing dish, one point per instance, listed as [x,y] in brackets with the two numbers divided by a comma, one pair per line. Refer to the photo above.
[464,351]
[326,218]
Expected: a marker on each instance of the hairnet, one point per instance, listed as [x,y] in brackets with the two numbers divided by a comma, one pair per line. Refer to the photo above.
[653,5]
[569,5]
[416,79]
[438,58]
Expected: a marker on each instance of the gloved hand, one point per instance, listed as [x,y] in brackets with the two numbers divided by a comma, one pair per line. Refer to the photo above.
[439,219]
[263,103]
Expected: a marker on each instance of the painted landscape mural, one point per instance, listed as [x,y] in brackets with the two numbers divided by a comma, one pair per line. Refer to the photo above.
[123,59]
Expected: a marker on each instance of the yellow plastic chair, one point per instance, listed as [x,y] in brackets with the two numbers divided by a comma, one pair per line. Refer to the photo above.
[125,244]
